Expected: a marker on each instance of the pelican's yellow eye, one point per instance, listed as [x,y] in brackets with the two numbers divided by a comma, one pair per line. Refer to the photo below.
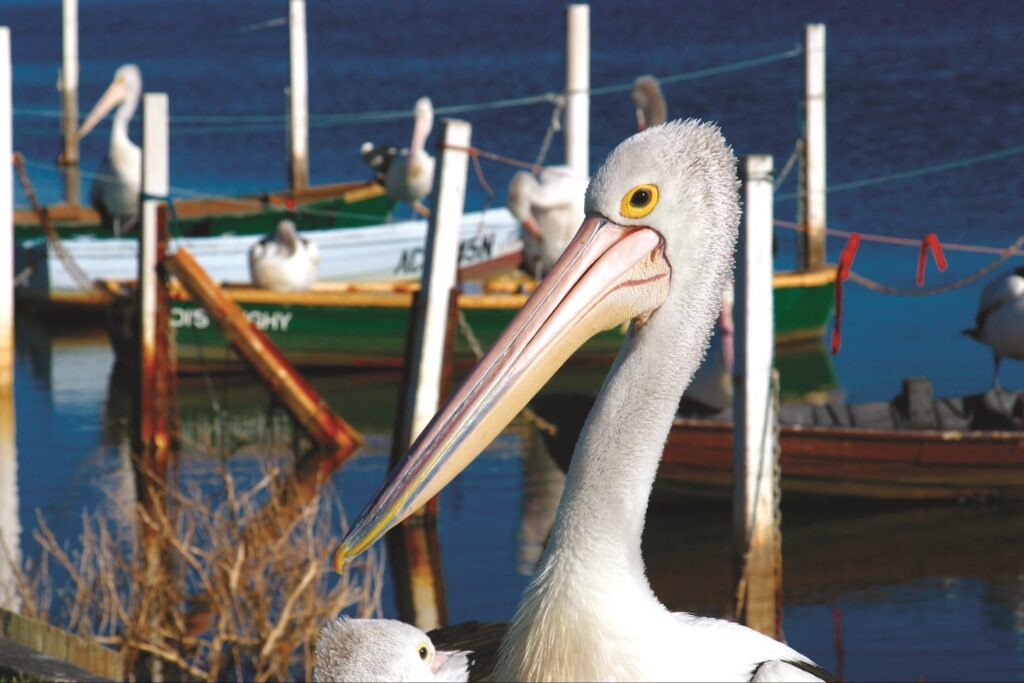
[424,652]
[639,201]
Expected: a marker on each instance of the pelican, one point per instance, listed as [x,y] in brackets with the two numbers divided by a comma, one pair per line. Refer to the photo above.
[115,189]
[284,261]
[1000,320]
[655,250]
[383,650]
[411,177]
[550,209]
[379,158]
[649,102]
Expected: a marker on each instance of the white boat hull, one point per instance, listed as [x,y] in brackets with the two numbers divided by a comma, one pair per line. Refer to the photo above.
[390,251]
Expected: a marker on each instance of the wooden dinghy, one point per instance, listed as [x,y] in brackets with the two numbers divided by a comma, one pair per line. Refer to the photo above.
[913,448]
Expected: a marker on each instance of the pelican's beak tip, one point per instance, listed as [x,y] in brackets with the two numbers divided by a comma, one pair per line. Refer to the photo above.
[341,558]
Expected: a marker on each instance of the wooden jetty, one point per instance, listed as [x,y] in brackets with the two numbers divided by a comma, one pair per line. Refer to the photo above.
[914,448]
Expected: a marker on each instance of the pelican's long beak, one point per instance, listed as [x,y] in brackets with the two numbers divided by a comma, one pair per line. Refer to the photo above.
[641,120]
[609,274]
[113,96]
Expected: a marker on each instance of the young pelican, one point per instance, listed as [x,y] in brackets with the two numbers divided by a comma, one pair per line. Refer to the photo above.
[410,178]
[284,261]
[383,650]
[550,209]
[655,249]
[1000,320]
[115,189]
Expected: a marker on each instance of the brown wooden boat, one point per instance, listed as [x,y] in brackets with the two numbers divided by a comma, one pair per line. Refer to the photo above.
[914,448]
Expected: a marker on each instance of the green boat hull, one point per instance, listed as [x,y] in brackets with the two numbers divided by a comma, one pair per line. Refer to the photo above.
[332,336]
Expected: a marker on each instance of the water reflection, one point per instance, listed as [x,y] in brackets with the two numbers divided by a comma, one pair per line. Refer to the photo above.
[920,591]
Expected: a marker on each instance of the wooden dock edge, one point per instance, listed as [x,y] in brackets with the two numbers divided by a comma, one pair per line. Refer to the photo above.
[39,651]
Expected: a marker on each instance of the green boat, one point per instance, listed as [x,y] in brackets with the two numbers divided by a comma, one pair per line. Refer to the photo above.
[364,325]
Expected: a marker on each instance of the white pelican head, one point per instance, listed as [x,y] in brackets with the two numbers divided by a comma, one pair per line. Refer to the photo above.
[124,91]
[649,102]
[383,650]
[655,248]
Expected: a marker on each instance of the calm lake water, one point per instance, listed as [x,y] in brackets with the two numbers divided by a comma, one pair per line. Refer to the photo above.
[934,593]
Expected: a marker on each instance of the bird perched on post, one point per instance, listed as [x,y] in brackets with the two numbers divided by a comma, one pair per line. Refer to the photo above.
[410,178]
[651,109]
[1000,320]
[284,261]
[383,650]
[550,208]
[655,250]
[116,186]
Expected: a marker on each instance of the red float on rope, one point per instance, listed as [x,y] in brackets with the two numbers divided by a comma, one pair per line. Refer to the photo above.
[930,241]
[842,273]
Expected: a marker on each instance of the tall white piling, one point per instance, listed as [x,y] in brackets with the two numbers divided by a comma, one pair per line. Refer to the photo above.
[6,213]
[414,546]
[69,103]
[577,87]
[754,500]
[439,273]
[814,149]
[10,524]
[155,183]
[298,105]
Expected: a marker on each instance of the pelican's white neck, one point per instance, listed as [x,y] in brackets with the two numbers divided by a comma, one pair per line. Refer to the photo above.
[122,118]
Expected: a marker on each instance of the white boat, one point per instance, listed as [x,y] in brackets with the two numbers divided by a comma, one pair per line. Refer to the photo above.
[489,241]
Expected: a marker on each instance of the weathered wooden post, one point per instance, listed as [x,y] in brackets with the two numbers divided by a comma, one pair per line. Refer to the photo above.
[813,243]
[298,107]
[413,546]
[757,538]
[69,104]
[577,88]
[10,525]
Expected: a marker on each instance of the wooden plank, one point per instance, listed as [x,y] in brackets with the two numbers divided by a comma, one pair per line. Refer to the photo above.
[60,645]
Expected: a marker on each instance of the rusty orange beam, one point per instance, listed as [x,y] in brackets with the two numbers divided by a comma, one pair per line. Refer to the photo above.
[300,398]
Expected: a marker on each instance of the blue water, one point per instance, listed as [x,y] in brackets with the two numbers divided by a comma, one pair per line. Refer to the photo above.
[910,85]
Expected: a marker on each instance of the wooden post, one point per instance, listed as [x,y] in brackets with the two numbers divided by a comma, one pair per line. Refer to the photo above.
[814,149]
[10,521]
[298,118]
[6,213]
[413,545]
[754,503]
[577,87]
[69,104]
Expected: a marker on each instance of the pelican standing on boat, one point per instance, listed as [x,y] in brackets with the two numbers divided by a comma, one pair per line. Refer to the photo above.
[550,209]
[116,186]
[284,261]
[1000,320]
[383,650]
[411,177]
[655,249]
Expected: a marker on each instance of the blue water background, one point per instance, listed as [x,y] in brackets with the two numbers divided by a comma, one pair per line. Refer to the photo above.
[910,84]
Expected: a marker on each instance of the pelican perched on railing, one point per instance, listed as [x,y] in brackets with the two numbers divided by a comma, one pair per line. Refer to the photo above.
[1000,320]
[550,209]
[410,178]
[115,189]
[649,102]
[383,650]
[655,249]
[284,261]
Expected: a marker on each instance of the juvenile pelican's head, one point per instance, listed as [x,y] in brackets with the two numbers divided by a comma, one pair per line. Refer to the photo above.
[661,223]
[383,650]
